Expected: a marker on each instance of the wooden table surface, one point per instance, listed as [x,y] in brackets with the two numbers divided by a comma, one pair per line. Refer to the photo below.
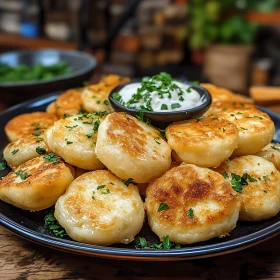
[21,259]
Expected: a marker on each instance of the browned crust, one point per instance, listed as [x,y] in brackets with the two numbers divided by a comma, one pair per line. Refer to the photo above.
[27,124]
[194,132]
[181,188]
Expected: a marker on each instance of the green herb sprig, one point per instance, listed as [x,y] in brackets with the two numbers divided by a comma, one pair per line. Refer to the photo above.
[54,227]
[142,243]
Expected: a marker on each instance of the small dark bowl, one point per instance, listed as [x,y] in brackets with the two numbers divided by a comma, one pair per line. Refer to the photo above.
[163,119]
[81,64]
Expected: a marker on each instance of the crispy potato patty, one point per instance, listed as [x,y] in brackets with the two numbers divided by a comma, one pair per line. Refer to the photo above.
[74,139]
[36,184]
[132,149]
[256,129]
[28,124]
[24,149]
[191,204]
[98,208]
[206,142]
[260,195]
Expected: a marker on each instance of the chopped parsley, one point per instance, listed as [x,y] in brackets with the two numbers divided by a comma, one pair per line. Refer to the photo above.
[69,142]
[96,126]
[246,176]
[89,135]
[106,102]
[128,181]
[164,107]
[157,142]
[162,132]
[93,198]
[40,151]
[275,148]
[54,227]
[189,90]
[163,206]
[37,126]
[142,243]
[117,96]
[175,105]
[243,128]
[238,182]
[22,174]
[166,242]
[65,116]
[106,191]
[190,213]
[14,151]
[37,133]
[51,158]
[101,187]
[225,175]
[39,140]
[3,165]
[70,127]
[140,116]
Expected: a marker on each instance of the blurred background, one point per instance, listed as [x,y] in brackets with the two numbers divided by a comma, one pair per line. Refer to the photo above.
[231,43]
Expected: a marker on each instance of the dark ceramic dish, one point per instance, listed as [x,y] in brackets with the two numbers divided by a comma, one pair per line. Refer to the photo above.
[31,225]
[163,119]
[81,64]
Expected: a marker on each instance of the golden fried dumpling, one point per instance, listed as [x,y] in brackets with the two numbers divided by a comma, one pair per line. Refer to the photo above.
[205,142]
[131,148]
[256,129]
[271,152]
[98,208]
[24,149]
[223,94]
[28,124]
[51,108]
[74,139]
[69,103]
[258,181]
[95,98]
[191,204]
[37,183]
[222,106]
[113,80]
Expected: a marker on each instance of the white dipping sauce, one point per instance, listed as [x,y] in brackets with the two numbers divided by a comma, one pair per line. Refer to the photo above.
[191,97]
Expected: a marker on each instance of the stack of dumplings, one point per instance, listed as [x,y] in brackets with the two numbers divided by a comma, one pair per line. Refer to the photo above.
[96,166]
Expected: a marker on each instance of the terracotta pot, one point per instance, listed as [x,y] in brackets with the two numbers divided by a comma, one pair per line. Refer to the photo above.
[228,66]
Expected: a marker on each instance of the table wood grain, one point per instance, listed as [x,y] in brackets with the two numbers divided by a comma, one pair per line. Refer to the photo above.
[21,259]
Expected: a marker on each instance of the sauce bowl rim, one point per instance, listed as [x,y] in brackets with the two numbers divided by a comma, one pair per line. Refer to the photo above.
[206,102]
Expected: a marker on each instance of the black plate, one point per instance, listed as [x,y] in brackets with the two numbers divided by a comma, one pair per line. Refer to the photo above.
[81,64]
[31,225]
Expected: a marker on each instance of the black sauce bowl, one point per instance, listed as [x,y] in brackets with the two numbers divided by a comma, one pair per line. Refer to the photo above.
[163,119]
[80,63]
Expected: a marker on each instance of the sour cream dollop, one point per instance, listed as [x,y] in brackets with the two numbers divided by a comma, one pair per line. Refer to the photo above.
[160,93]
